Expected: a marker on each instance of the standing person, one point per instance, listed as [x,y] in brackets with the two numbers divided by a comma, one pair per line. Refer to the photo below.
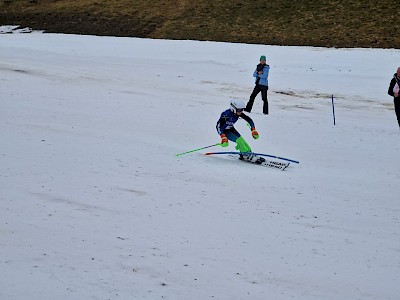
[394,92]
[261,74]
[228,133]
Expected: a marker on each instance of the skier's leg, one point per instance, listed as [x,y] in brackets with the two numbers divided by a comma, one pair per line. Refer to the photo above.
[232,134]
[242,145]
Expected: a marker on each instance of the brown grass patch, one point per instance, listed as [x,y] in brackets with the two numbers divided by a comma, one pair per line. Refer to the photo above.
[329,23]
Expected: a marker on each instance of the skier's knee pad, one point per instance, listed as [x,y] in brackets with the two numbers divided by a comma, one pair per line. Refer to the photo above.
[242,145]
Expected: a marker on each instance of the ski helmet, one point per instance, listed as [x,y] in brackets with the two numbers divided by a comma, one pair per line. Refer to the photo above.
[237,104]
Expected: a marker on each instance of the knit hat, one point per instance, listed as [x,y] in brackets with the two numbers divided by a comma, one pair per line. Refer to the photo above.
[263,57]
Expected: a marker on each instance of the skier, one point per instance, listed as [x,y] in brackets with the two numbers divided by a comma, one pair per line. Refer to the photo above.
[227,132]
[395,93]
[261,74]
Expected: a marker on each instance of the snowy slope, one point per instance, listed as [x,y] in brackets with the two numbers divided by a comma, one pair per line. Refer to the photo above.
[95,204]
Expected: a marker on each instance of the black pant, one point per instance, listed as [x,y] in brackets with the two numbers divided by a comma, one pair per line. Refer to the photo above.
[258,88]
[397,109]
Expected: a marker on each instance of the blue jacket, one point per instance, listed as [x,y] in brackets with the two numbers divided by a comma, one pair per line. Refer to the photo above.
[263,77]
[228,118]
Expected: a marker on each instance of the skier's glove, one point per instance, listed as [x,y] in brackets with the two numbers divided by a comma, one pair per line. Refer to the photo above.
[224,140]
[254,133]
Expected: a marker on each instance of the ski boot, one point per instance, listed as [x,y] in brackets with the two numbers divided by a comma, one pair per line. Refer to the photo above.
[259,160]
[252,158]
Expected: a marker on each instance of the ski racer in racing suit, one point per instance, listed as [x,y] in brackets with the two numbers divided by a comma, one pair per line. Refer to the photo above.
[225,128]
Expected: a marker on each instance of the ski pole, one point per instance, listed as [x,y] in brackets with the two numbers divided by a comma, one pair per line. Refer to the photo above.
[217,144]
[333,111]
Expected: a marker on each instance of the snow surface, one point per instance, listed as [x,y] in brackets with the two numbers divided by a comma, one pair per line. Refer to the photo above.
[95,204]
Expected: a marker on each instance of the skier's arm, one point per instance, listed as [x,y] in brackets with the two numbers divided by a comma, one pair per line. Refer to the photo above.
[221,124]
[248,120]
[254,132]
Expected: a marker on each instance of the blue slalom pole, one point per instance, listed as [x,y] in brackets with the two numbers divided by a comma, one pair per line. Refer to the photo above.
[333,111]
